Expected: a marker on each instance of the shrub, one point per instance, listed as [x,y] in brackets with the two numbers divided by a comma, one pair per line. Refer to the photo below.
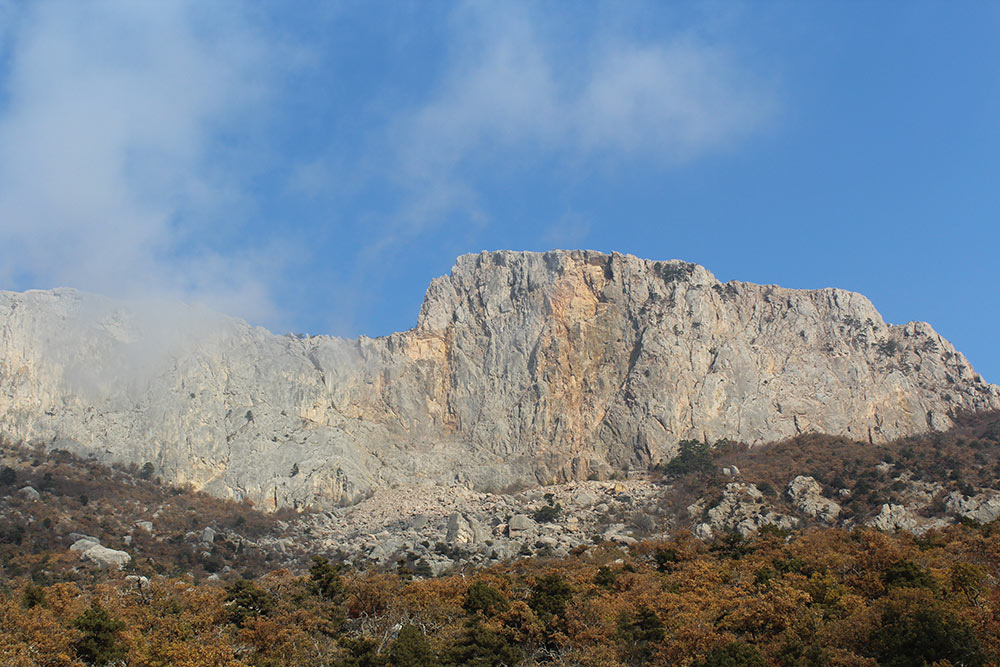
[245,600]
[549,596]
[918,632]
[99,644]
[484,599]
[412,649]
[692,457]
[733,654]
[547,513]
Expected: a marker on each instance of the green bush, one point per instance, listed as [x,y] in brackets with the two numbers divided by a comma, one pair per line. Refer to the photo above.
[245,600]
[412,649]
[733,654]
[692,457]
[548,513]
[99,644]
[915,633]
[483,599]
[549,596]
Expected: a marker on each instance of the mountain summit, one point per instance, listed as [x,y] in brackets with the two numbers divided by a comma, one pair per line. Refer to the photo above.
[523,368]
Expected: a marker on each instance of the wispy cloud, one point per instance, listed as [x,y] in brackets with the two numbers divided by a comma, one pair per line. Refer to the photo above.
[110,130]
[513,95]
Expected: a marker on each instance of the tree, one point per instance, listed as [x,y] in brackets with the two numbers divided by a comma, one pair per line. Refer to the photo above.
[147,471]
[8,476]
[484,599]
[917,632]
[733,654]
[640,633]
[692,457]
[907,574]
[245,600]
[326,580]
[99,644]
[549,596]
[412,649]
[32,596]
[481,647]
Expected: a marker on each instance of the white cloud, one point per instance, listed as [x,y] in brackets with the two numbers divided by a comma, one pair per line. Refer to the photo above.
[106,129]
[514,95]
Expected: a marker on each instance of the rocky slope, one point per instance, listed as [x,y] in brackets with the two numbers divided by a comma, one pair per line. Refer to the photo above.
[523,368]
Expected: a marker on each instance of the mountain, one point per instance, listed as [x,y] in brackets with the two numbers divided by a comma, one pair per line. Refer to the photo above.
[523,368]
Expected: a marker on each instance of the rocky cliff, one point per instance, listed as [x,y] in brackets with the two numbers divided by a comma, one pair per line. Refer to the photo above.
[523,368]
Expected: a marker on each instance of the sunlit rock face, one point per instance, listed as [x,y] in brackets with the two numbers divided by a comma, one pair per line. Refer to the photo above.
[523,368]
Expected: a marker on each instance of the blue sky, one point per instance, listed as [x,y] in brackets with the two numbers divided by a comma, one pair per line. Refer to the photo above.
[312,169]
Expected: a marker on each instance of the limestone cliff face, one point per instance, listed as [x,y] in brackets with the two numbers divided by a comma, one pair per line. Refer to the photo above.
[523,367]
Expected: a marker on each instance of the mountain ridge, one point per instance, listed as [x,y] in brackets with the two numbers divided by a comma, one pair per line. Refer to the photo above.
[521,368]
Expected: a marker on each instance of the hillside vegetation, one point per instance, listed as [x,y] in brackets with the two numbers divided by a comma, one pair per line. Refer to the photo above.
[824,597]
[261,590]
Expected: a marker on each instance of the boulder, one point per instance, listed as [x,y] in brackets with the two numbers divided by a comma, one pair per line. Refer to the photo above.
[742,509]
[984,507]
[894,517]
[807,497]
[520,524]
[83,542]
[459,530]
[101,555]
[29,493]
[900,517]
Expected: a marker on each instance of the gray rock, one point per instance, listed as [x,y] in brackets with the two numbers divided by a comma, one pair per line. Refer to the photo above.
[519,524]
[523,368]
[29,493]
[884,467]
[807,496]
[83,543]
[742,509]
[207,535]
[145,525]
[703,531]
[984,507]
[899,517]
[101,555]
[459,530]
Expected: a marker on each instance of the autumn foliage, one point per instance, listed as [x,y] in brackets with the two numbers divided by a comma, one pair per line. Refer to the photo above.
[823,597]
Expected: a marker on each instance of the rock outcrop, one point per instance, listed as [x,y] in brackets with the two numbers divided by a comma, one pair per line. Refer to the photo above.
[807,497]
[92,550]
[742,510]
[523,368]
[983,508]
